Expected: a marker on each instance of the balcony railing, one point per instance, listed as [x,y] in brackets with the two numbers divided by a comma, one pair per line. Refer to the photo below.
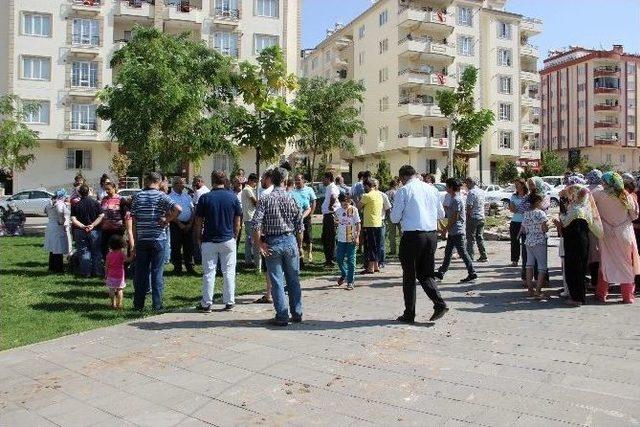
[606,70]
[606,107]
[422,140]
[87,3]
[418,76]
[531,26]
[408,16]
[232,52]
[605,139]
[607,90]
[606,124]
[426,45]
[529,50]
[224,13]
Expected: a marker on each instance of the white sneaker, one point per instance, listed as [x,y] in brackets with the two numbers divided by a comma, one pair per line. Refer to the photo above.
[350,286]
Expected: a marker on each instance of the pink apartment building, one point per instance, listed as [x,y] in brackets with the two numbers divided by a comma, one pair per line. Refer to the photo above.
[590,105]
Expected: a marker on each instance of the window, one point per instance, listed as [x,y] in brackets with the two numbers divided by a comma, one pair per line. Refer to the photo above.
[631,68]
[383,133]
[505,57]
[222,162]
[505,85]
[384,103]
[127,35]
[263,41]
[504,30]
[38,112]
[269,8]
[361,58]
[384,46]
[35,24]
[506,138]
[36,68]
[631,136]
[580,71]
[581,87]
[78,159]
[83,117]
[226,6]
[226,43]
[581,137]
[504,112]
[631,120]
[465,16]
[86,32]
[383,75]
[383,17]
[361,32]
[580,121]
[84,74]
[581,103]
[465,45]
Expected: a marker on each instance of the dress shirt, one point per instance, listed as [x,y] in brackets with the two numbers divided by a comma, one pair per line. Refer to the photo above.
[277,214]
[331,190]
[199,192]
[417,207]
[185,202]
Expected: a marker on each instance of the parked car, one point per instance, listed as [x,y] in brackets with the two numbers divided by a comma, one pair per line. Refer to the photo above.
[31,202]
[129,192]
[505,195]
[553,181]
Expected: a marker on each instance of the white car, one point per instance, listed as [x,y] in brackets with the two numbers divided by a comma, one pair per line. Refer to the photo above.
[504,196]
[31,202]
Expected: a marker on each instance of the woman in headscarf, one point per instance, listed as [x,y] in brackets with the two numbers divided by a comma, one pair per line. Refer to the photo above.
[578,218]
[619,260]
[594,184]
[55,235]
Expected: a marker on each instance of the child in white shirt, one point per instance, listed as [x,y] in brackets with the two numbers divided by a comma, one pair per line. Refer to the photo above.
[347,220]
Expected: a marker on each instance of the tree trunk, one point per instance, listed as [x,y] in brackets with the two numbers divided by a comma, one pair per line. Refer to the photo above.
[258,162]
[313,167]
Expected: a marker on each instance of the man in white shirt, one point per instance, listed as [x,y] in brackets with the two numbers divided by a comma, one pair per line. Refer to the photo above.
[417,208]
[249,202]
[181,229]
[329,205]
[198,188]
[266,187]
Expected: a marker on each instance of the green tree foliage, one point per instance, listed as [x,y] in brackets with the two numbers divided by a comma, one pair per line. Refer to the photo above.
[16,139]
[331,115]
[507,171]
[266,120]
[383,175]
[552,164]
[170,100]
[458,105]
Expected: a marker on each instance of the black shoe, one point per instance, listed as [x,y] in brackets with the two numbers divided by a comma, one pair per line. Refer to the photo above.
[177,272]
[469,278]
[301,263]
[229,307]
[203,308]
[276,322]
[191,272]
[482,259]
[404,319]
[438,275]
[438,313]
[296,319]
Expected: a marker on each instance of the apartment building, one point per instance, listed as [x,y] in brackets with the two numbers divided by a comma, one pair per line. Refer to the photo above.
[404,51]
[590,105]
[56,54]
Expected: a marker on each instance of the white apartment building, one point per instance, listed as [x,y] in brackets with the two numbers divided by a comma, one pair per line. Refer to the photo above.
[405,50]
[56,53]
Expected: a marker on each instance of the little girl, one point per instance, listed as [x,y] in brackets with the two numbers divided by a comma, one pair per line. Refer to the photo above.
[114,270]
[348,221]
[534,225]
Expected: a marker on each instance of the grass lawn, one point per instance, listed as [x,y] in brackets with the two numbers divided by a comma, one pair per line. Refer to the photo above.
[37,306]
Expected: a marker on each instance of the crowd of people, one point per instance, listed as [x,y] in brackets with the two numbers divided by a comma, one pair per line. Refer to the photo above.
[111,236]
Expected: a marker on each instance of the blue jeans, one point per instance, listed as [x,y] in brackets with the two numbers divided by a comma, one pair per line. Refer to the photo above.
[283,266]
[346,259]
[167,248]
[149,264]
[456,242]
[89,251]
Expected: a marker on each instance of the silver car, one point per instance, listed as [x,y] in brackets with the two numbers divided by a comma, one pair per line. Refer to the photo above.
[31,202]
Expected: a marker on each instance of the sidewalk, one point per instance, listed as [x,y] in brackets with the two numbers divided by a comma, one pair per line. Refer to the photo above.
[497,358]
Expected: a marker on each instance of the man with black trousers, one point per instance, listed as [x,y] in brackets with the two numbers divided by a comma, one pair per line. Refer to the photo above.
[417,208]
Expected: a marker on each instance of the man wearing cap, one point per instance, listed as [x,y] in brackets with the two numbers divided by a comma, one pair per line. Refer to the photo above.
[475,219]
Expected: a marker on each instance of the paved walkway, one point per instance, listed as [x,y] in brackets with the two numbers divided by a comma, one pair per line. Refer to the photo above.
[497,358]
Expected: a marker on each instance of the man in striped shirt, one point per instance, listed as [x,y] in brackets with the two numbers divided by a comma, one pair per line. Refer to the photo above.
[151,211]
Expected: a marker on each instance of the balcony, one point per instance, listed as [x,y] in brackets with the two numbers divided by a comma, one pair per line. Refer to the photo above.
[224,16]
[529,50]
[419,140]
[414,19]
[86,7]
[412,77]
[527,101]
[134,9]
[84,50]
[415,108]
[605,140]
[530,76]
[529,128]
[184,12]
[531,26]
[607,107]
[606,91]
[426,49]
[606,125]
[606,71]
[342,43]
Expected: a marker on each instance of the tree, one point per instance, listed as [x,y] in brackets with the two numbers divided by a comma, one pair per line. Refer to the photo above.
[331,115]
[507,171]
[467,124]
[16,139]
[552,164]
[270,120]
[120,164]
[384,174]
[169,102]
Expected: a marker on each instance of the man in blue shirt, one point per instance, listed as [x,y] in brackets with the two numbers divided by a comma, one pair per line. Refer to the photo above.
[417,209]
[182,229]
[220,212]
[151,211]
[305,197]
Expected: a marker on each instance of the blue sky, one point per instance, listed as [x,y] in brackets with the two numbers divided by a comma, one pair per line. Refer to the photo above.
[590,23]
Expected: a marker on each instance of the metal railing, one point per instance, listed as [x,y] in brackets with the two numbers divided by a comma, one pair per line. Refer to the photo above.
[224,13]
